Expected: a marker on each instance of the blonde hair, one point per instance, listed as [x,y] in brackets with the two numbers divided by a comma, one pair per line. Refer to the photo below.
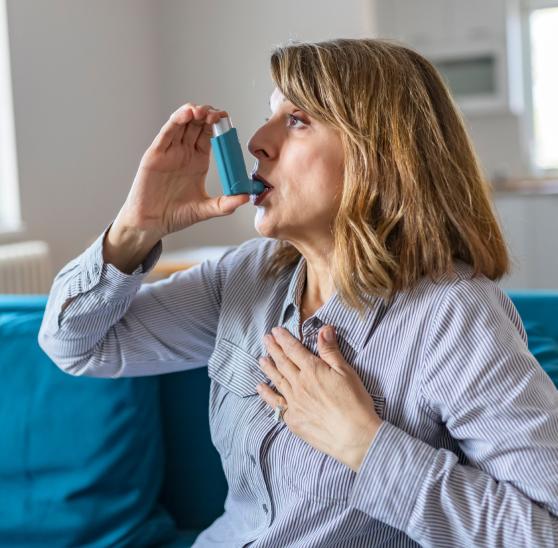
[413,199]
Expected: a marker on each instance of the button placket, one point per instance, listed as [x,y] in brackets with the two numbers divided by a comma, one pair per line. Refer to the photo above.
[316,323]
[267,512]
[310,329]
[291,325]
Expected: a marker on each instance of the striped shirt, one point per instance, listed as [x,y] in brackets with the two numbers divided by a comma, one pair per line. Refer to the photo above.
[467,454]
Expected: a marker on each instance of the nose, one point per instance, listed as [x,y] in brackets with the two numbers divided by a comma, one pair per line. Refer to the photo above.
[260,144]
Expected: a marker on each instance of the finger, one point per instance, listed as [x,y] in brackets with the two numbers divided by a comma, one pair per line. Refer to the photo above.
[179,136]
[222,205]
[328,348]
[270,397]
[183,120]
[284,364]
[174,126]
[195,126]
[203,144]
[293,349]
[281,382]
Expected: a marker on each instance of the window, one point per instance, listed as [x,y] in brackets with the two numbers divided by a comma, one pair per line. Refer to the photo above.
[10,219]
[541,33]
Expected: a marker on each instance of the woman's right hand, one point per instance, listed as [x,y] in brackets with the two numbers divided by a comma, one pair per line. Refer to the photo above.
[168,192]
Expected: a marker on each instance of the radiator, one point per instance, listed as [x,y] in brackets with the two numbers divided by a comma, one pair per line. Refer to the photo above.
[25,267]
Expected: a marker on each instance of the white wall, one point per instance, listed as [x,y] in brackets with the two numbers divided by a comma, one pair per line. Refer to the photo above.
[87,100]
[94,82]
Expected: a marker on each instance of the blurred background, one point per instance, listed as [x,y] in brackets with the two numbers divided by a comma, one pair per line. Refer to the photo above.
[85,87]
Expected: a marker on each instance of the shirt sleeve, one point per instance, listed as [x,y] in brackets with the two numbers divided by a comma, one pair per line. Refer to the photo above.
[502,408]
[115,326]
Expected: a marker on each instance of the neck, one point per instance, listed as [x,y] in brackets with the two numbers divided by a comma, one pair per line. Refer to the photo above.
[319,285]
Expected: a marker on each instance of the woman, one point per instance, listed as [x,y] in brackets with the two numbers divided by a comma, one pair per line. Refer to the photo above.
[371,384]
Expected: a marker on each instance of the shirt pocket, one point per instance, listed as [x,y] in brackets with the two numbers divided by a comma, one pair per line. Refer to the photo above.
[233,396]
[315,475]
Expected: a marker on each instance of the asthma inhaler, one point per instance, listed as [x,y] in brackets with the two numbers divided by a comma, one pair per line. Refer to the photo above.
[230,162]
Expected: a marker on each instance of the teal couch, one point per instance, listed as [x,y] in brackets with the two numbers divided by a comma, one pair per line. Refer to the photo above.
[126,462]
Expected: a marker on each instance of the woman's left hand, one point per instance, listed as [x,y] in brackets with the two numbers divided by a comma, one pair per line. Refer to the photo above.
[326,404]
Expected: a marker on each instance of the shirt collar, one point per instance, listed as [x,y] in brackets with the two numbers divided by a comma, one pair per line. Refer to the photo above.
[295,289]
[348,323]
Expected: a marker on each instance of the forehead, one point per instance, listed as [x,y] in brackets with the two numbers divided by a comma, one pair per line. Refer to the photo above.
[276,99]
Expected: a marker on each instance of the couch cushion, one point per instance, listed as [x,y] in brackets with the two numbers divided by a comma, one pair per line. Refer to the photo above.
[82,458]
[185,539]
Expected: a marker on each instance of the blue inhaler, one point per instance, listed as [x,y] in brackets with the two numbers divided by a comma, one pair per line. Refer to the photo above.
[230,162]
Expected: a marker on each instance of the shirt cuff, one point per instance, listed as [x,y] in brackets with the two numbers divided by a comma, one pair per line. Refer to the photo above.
[110,282]
[391,475]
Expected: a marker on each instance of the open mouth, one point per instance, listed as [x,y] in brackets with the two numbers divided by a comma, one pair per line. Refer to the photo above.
[263,195]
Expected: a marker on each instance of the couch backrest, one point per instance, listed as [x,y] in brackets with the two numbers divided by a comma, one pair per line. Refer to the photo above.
[538,307]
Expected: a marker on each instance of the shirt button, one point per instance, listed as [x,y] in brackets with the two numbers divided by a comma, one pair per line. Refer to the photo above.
[289,312]
[96,269]
[253,460]
[264,506]
[316,322]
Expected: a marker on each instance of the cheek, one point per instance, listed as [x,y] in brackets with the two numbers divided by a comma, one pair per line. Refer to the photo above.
[317,197]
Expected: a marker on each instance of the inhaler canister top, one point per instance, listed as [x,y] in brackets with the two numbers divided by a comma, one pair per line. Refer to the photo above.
[222,126]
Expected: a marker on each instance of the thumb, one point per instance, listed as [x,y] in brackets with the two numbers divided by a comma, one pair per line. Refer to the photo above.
[329,349]
[225,205]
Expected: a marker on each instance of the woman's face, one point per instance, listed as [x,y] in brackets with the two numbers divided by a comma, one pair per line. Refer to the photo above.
[302,159]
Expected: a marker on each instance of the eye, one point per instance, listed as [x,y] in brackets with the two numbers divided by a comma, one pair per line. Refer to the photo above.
[292,117]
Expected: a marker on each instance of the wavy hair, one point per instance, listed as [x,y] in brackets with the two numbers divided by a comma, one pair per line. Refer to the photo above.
[414,199]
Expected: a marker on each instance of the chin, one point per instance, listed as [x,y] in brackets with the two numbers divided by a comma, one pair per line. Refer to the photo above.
[268,227]
[265,232]
[262,224]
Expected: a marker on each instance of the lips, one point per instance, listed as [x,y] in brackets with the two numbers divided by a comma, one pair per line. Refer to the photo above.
[268,188]
[258,177]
